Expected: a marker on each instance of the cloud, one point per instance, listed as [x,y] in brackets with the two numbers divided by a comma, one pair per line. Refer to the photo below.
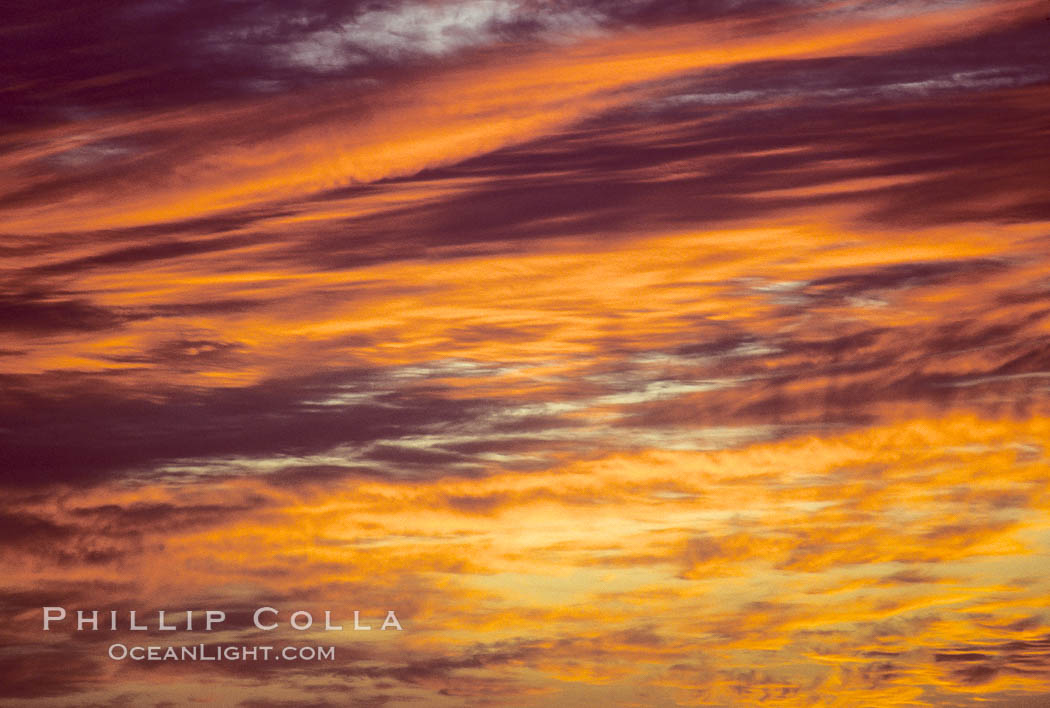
[33,313]
[47,674]
[619,568]
[638,352]
[410,29]
[195,164]
[192,426]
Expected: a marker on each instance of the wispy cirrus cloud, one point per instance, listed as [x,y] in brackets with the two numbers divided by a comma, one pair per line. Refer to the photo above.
[642,352]
[855,561]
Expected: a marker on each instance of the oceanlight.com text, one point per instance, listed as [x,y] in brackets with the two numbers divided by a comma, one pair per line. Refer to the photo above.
[212,652]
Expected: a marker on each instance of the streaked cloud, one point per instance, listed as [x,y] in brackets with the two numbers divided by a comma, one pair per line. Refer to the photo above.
[645,353]
[858,561]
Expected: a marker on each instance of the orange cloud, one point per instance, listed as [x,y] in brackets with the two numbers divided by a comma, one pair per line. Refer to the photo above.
[623,568]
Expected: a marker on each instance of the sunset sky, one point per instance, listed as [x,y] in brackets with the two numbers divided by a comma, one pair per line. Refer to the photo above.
[636,353]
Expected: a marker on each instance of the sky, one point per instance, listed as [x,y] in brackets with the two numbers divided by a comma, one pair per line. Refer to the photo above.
[634,352]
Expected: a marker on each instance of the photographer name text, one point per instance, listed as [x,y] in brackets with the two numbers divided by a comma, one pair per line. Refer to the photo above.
[264,618]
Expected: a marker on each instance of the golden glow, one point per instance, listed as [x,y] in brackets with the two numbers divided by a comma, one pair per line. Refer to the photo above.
[626,570]
[628,367]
